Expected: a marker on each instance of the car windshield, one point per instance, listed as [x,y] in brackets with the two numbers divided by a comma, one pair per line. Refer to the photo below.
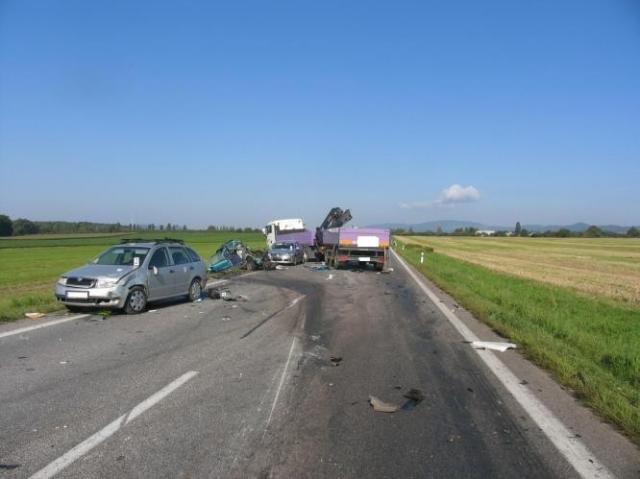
[122,256]
[282,246]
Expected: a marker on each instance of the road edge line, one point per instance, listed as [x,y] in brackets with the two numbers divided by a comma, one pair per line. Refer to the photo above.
[572,449]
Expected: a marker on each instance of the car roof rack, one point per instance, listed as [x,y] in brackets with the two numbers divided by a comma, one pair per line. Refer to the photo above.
[157,240]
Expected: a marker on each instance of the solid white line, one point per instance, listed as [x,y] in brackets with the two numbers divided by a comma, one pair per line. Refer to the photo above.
[85,446]
[42,325]
[574,451]
[284,374]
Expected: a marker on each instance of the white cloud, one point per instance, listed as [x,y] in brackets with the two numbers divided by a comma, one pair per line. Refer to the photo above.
[448,197]
[458,194]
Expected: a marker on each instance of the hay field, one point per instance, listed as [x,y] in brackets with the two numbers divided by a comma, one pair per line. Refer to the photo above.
[608,267]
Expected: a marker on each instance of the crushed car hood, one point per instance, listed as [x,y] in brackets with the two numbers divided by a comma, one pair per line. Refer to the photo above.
[99,271]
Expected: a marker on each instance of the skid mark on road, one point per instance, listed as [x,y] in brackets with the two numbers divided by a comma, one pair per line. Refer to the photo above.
[281,383]
[85,446]
[273,315]
[571,448]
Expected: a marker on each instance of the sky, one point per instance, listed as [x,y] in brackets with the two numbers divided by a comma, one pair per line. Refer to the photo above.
[236,113]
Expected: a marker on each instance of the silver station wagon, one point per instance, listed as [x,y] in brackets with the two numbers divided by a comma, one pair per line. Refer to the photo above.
[129,275]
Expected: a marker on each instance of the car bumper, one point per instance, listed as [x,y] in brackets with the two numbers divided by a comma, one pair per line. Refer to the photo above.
[114,297]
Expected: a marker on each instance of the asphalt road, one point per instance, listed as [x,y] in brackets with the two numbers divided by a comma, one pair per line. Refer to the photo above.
[247,389]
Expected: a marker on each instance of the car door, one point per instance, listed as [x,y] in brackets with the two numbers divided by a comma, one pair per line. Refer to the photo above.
[160,278]
[181,269]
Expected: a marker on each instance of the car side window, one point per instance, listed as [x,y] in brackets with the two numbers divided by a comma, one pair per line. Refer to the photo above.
[159,259]
[179,256]
[193,256]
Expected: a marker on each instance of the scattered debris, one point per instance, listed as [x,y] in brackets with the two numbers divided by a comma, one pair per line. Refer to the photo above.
[314,337]
[397,387]
[34,315]
[381,406]
[64,362]
[120,458]
[494,345]
[152,311]
[280,267]
[9,467]
[415,397]
[470,390]
[226,318]
[524,382]
[335,360]
[23,357]
[319,267]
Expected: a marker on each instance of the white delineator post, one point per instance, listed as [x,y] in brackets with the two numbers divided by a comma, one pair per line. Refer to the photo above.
[421,257]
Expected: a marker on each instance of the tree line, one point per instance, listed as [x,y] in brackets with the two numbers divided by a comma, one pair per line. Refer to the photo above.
[23,226]
[591,232]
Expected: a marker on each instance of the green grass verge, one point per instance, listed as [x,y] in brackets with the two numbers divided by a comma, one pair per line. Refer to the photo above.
[30,266]
[590,344]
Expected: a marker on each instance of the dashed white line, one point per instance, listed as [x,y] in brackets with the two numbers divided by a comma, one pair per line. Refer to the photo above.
[42,325]
[573,450]
[85,446]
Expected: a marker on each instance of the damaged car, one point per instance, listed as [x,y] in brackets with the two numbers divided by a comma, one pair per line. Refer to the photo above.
[234,254]
[129,275]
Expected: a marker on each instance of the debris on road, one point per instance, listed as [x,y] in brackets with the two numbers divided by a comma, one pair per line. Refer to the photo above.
[335,360]
[319,267]
[280,267]
[152,311]
[34,315]
[381,406]
[493,345]
[226,318]
[415,397]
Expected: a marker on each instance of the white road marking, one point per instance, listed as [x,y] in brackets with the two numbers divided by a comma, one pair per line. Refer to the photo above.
[282,377]
[573,450]
[85,446]
[42,325]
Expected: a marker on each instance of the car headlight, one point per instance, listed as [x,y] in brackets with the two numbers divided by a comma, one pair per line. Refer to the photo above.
[106,283]
[62,280]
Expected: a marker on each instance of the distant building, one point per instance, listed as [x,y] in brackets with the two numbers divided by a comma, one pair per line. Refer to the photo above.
[485,232]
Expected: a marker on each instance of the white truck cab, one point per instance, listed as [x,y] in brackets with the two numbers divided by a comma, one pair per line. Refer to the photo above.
[281,226]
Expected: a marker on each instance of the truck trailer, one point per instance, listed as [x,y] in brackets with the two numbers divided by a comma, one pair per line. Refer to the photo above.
[343,245]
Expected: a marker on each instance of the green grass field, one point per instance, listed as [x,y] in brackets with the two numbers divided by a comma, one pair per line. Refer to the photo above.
[590,341]
[30,266]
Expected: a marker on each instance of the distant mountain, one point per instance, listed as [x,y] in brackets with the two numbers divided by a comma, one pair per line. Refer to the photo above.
[448,226]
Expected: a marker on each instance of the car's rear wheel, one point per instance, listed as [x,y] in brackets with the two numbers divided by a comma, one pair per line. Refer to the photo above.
[136,301]
[195,290]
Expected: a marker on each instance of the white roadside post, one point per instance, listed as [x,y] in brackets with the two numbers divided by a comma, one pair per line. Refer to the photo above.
[421,257]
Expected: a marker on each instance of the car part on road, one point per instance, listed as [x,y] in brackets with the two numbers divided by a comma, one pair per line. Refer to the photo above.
[381,406]
[493,345]
[335,360]
[34,315]
[415,397]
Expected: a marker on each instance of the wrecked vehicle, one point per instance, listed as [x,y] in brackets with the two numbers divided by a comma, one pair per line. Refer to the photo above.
[288,252]
[234,254]
[129,275]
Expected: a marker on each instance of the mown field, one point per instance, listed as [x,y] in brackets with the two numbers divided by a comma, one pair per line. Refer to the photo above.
[603,266]
[571,305]
[30,266]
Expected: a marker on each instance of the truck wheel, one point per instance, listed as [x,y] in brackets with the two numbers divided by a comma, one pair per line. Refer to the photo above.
[195,290]
[136,301]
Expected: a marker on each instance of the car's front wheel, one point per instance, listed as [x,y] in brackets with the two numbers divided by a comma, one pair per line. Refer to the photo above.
[136,301]
[195,290]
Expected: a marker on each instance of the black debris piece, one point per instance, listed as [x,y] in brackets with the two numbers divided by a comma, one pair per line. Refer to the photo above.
[335,360]
[414,397]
